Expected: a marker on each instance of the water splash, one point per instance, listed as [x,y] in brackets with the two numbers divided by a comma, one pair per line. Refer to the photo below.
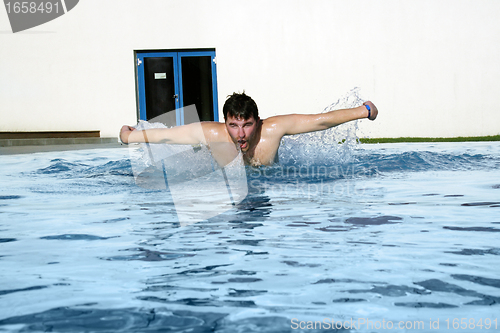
[202,182]
[332,146]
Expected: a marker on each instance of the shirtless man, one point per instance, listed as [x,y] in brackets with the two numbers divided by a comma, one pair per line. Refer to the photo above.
[257,139]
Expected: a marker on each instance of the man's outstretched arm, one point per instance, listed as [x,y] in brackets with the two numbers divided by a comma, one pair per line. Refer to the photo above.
[304,123]
[186,134]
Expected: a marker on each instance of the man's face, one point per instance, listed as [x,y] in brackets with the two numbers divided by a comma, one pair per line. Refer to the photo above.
[242,131]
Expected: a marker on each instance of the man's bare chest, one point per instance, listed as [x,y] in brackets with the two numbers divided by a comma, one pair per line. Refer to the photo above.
[265,153]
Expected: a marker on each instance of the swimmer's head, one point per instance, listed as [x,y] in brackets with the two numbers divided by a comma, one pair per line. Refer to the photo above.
[240,106]
[242,121]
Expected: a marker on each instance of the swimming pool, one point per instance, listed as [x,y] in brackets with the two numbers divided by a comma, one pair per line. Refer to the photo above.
[368,238]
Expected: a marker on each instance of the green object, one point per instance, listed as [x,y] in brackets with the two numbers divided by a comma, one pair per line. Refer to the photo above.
[456,139]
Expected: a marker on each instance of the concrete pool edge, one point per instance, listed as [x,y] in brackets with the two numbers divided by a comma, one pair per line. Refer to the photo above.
[28,146]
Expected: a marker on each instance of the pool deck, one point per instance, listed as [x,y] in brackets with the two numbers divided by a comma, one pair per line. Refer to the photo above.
[28,146]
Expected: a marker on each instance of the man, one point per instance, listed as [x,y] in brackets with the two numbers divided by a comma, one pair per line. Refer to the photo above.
[257,139]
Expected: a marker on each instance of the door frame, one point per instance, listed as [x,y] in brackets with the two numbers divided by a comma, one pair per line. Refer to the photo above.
[177,55]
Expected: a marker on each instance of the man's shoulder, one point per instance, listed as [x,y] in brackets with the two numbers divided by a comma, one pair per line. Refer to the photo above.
[213,129]
[212,124]
[275,126]
[276,122]
[286,124]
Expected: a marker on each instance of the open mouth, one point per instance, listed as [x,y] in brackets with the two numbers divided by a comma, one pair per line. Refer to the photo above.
[243,144]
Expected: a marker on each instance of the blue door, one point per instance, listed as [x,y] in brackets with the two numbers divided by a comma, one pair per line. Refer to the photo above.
[168,81]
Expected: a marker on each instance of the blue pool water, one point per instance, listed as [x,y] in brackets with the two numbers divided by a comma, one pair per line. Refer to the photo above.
[380,236]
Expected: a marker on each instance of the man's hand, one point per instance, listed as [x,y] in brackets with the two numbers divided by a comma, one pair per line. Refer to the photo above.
[125,132]
[373,110]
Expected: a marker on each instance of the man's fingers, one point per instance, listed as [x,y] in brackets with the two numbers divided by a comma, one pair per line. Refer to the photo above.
[373,110]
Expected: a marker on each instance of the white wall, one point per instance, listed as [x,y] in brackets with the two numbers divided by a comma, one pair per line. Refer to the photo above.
[431,66]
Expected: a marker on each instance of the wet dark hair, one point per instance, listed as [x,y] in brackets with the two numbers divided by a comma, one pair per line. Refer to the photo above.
[240,105]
